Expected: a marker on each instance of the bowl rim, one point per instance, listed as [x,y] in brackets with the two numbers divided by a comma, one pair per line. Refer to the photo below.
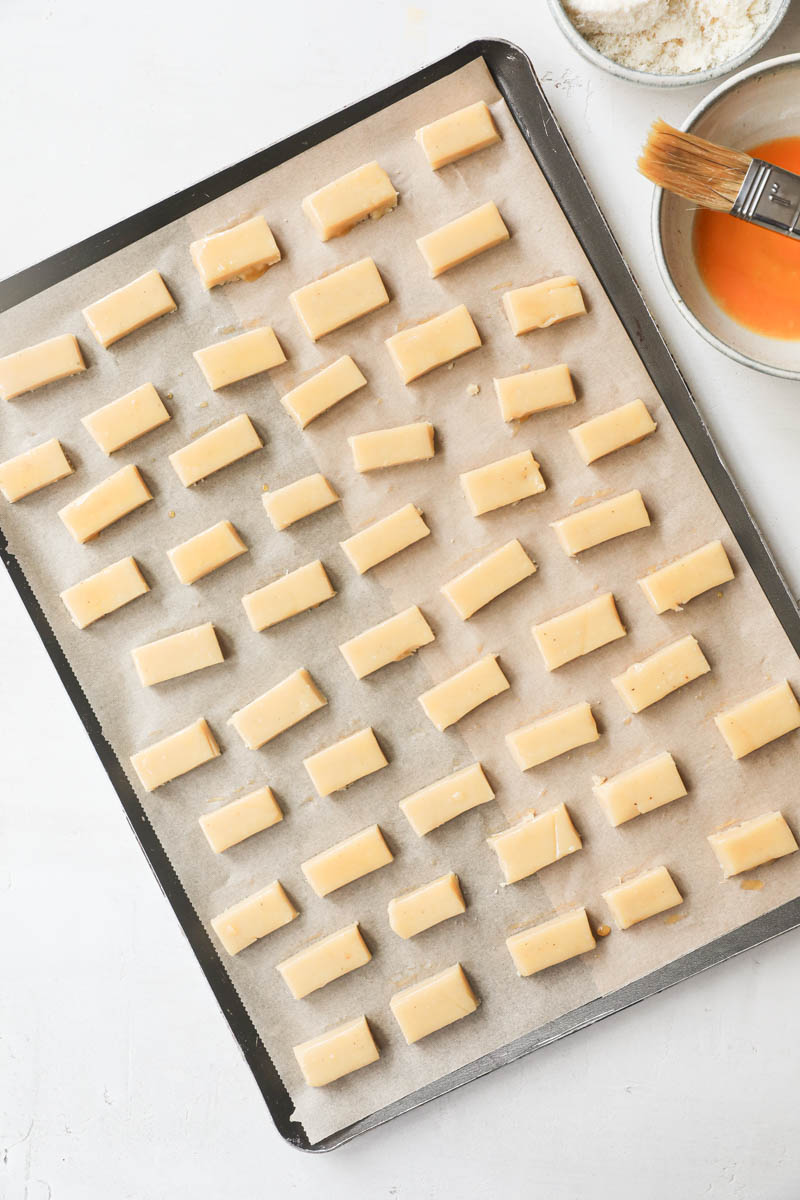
[651,78]
[772,64]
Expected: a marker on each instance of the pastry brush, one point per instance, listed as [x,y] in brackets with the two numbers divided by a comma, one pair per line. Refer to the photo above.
[727,180]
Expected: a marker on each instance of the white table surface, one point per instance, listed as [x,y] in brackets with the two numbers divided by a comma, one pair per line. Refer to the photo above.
[118,1075]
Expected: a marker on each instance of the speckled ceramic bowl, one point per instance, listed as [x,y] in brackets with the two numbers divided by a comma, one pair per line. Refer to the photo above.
[778,11]
[756,106]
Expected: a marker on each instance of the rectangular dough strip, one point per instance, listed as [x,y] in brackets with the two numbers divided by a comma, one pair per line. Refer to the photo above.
[124,420]
[176,655]
[580,631]
[446,799]
[253,918]
[33,470]
[450,701]
[129,308]
[385,538]
[284,705]
[432,343]
[601,522]
[104,592]
[389,642]
[288,596]
[244,251]
[645,683]
[362,194]
[108,501]
[218,448]
[175,755]
[36,366]
[462,239]
[337,299]
[240,357]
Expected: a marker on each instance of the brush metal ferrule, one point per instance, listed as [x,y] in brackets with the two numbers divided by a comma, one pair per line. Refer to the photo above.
[770,197]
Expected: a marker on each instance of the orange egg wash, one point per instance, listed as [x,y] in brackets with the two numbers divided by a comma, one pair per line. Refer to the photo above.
[752,273]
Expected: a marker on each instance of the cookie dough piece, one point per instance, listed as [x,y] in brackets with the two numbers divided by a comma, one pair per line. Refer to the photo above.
[534,391]
[458,134]
[129,308]
[535,842]
[434,1003]
[481,229]
[392,447]
[488,579]
[679,582]
[311,399]
[122,421]
[175,755]
[298,500]
[287,596]
[760,720]
[385,538]
[216,449]
[347,861]
[550,736]
[262,913]
[645,683]
[239,357]
[244,251]
[339,298]
[446,799]
[431,344]
[339,1052]
[286,704]
[552,942]
[366,192]
[752,843]
[642,897]
[506,481]
[107,502]
[241,819]
[35,366]
[33,470]
[640,789]
[426,906]
[601,522]
[451,700]
[324,960]
[206,551]
[578,632]
[543,304]
[179,654]
[612,430]
[388,642]
[104,592]
[337,766]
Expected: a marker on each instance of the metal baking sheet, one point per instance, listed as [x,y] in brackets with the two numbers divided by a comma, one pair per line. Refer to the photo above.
[514,77]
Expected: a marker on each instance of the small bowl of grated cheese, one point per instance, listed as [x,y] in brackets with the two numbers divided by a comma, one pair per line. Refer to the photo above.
[668,43]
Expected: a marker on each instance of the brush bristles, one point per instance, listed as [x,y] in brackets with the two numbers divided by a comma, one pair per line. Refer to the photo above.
[708,175]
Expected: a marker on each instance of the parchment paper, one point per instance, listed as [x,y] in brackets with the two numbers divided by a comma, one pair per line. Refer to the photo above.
[735,626]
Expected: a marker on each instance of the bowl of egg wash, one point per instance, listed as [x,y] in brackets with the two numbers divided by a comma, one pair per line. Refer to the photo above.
[736,284]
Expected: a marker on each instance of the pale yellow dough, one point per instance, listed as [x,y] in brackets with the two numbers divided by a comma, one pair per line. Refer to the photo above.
[345,762]
[290,701]
[216,449]
[179,654]
[534,843]
[288,596]
[432,343]
[679,582]
[323,961]
[311,399]
[104,592]
[339,298]
[578,632]
[244,251]
[205,552]
[334,209]
[451,700]
[107,502]
[388,642]
[175,755]
[645,683]
[426,906]
[253,918]
[481,229]
[642,897]
[506,481]
[446,799]
[33,470]
[488,579]
[433,1003]
[458,134]
[240,819]
[297,500]
[601,522]
[752,843]
[36,366]
[612,430]
[552,942]
[543,304]
[347,861]
[124,420]
[534,391]
[339,1052]
[760,720]
[553,735]
[129,308]
[391,447]
[640,789]
[239,357]
[385,538]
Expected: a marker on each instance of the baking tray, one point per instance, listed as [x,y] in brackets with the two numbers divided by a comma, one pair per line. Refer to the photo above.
[515,79]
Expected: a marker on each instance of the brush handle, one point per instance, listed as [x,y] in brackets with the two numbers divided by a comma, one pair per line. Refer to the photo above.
[770,197]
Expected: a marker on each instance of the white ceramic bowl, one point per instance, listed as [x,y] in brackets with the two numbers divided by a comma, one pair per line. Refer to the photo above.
[756,106]
[778,11]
